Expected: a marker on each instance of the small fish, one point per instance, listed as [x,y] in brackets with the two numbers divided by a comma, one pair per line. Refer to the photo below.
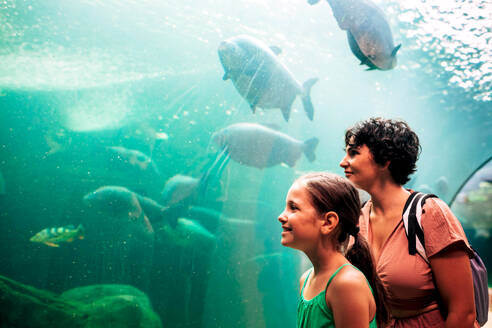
[134,158]
[178,188]
[53,236]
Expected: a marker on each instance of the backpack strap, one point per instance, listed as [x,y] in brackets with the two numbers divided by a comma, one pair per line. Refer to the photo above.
[412,216]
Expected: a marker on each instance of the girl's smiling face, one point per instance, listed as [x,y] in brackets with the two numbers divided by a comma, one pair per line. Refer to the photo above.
[300,220]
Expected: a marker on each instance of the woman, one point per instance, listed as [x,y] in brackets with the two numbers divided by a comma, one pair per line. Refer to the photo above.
[380,156]
[321,212]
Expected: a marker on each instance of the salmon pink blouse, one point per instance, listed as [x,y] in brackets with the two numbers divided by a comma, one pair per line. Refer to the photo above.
[408,278]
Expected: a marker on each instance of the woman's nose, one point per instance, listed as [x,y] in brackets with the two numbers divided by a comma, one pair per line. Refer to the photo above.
[344,162]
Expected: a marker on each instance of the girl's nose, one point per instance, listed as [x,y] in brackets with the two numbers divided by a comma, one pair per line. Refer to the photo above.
[282,218]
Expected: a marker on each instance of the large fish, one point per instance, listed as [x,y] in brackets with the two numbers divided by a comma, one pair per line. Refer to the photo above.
[260,146]
[54,236]
[368,32]
[119,201]
[261,78]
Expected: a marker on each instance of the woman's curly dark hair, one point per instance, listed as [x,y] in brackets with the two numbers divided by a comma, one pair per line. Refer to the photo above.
[388,140]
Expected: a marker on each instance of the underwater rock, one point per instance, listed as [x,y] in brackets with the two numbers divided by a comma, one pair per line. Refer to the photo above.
[116,305]
[261,78]
[259,146]
[84,307]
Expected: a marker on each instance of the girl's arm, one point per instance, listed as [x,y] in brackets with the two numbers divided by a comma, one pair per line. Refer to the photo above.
[453,278]
[349,298]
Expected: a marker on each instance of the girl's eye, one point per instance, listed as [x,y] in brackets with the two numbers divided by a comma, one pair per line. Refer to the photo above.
[292,206]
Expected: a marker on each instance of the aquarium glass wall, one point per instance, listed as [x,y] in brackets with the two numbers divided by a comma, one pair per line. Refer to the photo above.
[146,147]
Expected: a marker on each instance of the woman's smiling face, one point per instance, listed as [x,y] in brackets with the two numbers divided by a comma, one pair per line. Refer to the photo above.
[359,166]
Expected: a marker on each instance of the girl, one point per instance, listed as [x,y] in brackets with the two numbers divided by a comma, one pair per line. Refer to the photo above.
[321,211]
[380,156]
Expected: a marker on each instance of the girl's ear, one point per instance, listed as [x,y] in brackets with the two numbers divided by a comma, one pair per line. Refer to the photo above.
[330,222]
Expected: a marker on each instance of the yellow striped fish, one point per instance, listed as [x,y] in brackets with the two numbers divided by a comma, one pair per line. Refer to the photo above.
[53,236]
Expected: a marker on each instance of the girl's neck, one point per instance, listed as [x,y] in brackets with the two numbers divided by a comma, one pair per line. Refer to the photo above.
[326,260]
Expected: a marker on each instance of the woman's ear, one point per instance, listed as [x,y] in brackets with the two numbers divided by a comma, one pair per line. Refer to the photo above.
[330,222]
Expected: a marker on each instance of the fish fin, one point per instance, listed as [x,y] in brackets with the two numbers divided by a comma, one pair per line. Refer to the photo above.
[354,47]
[276,50]
[313,2]
[370,68]
[253,108]
[309,148]
[148,224]
[69,240]
[51,244]
[286,112]
[395,50]
[291,161]
[214,170]
[306,97]
[226,76]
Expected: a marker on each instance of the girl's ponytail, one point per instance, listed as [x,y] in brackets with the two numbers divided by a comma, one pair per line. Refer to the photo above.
[360,256]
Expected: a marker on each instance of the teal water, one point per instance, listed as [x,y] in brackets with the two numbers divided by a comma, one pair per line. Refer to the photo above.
[79,76]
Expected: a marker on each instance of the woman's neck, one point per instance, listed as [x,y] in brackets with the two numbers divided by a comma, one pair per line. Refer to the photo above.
[387,197]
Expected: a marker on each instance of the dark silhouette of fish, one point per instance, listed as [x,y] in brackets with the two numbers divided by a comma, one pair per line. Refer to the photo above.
[368,32]
[261,78]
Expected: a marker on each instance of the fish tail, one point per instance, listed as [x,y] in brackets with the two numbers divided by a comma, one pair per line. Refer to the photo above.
[306,97]
[309,148]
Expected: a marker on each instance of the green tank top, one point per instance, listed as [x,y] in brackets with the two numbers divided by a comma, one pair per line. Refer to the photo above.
[314,313]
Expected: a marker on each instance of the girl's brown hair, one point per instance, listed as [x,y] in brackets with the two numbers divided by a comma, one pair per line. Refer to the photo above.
[330,192]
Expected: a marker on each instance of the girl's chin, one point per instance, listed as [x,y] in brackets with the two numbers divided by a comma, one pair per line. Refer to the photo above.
[285,242]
